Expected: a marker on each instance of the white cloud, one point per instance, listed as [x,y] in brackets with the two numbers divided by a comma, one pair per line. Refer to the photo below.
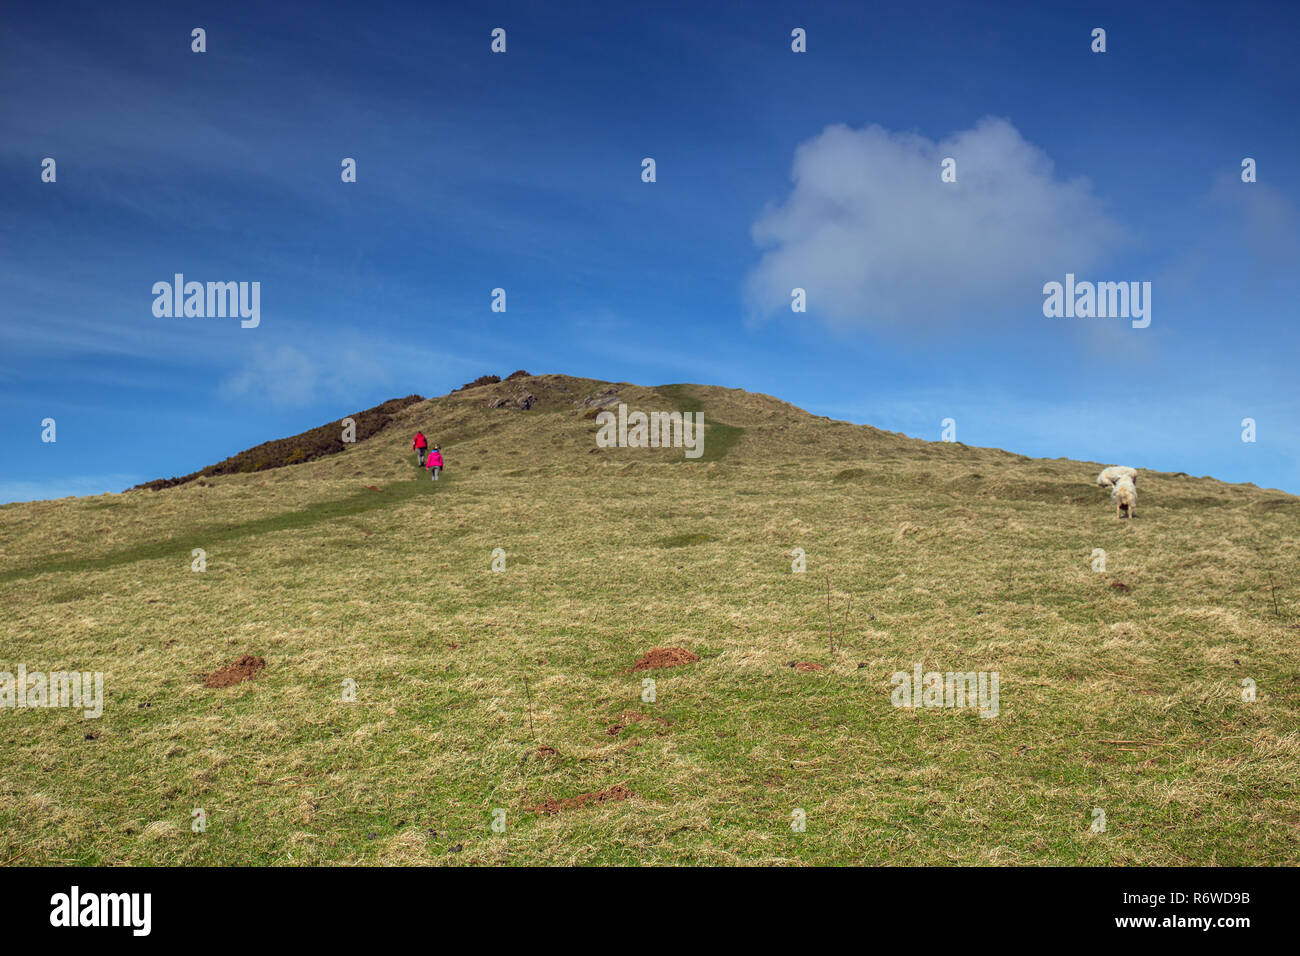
[877,240]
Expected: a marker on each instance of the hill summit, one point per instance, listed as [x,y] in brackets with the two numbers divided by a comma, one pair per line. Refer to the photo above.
[484,419]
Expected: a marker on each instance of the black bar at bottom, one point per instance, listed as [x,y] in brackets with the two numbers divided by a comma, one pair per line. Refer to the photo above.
[306,905]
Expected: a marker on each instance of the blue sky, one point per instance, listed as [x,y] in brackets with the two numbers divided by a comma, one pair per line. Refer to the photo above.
[522,171]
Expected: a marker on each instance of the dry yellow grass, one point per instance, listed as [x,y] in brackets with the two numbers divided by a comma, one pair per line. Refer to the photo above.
[955,558]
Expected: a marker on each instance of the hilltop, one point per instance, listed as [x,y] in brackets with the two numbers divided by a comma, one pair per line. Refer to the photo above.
[514,689]
[756,427]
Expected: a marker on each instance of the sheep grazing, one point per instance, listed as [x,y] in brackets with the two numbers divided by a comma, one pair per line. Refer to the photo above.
[1110,475]
[1125,496]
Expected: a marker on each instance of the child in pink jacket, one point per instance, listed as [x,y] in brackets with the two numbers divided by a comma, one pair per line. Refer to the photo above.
[434,461]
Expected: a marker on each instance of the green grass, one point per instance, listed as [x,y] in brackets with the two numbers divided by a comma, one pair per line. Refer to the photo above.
[1125,701]
[219,533]
[719,438]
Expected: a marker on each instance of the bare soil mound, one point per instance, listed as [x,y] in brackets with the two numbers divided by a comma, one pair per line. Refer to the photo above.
[665,657]
[553,806]
[246,668]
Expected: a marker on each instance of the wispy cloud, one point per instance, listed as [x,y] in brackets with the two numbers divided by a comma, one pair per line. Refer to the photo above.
[1267,221]
[73,485]
[330,366]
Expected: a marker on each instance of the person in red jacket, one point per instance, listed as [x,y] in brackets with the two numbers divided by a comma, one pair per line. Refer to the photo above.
[434,463]
[420,443]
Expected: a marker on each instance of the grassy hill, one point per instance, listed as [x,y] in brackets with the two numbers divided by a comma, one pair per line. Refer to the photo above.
[478,690]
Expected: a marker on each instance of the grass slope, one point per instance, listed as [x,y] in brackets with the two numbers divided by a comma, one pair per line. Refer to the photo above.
[952,557]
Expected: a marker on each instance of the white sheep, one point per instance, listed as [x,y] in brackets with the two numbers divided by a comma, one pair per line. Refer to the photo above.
[1110,475]
[1125,496]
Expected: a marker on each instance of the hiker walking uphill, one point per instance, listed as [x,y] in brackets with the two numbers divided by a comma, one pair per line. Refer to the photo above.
[434,462]
[420,444]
